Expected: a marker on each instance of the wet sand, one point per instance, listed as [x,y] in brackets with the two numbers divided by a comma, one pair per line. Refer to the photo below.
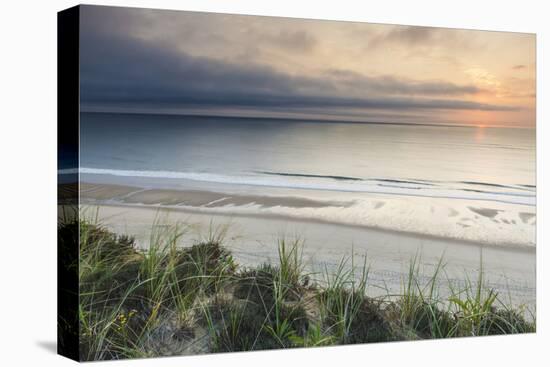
[209,199]
[485,223]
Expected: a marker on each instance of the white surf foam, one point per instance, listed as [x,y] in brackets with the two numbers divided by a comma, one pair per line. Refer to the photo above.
[464,190]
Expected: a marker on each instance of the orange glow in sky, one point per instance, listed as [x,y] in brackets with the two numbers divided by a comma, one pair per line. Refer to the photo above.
[343,70]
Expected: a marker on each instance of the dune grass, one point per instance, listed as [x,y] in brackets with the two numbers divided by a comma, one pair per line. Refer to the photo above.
[187,298]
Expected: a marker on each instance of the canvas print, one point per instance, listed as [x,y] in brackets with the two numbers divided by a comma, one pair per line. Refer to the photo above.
[239,183]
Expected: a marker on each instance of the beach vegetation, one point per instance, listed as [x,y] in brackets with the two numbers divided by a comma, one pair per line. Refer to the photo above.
[181,297]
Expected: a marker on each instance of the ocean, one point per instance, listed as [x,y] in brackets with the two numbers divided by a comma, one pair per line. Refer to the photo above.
[470,183]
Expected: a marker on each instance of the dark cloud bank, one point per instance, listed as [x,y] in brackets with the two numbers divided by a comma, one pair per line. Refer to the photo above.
[117,69]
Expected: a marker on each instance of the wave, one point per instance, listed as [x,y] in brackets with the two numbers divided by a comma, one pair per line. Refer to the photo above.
[397,181]
[477,183]
[344,178]
[378,181]
[403,181]
[512,195]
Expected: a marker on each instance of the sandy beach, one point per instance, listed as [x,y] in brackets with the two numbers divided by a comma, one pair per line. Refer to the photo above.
[193,197]
[253,239]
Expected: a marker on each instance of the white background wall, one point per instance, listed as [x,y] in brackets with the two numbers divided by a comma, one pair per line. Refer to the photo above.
[28,181]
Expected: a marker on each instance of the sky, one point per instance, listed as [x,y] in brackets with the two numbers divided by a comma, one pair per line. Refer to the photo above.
[160,61]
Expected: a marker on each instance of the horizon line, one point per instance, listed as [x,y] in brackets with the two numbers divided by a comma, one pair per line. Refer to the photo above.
[312,120]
